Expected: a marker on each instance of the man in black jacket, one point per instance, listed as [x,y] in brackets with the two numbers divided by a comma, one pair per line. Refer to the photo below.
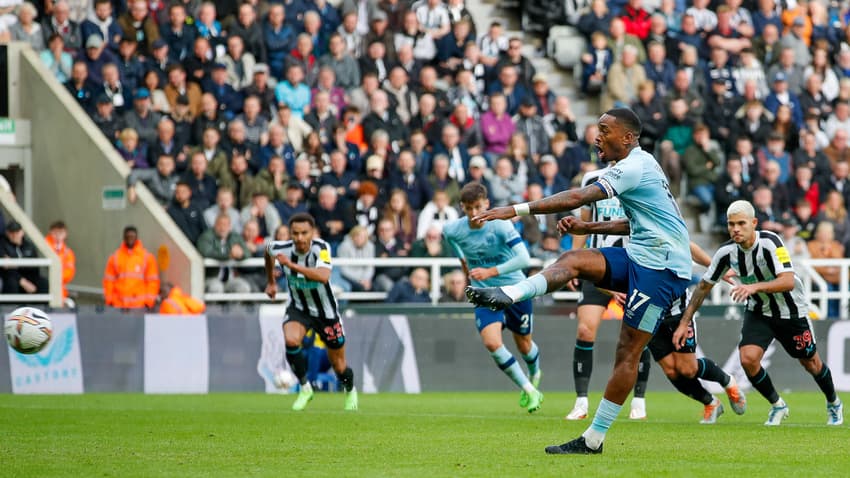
[18,280]
[188,216]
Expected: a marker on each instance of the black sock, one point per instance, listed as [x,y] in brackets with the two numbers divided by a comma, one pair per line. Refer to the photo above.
[346,378]
[643,374]
[761,381]
[708,370]
[824,381]
[582,366]
[692,388]
[298,362]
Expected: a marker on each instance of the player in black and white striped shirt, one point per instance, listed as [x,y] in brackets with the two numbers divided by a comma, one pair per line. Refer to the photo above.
[307,264]
[776,308]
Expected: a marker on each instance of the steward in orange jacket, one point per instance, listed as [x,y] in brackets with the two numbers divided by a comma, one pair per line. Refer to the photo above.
[56,236]
[131,278]
[176,302]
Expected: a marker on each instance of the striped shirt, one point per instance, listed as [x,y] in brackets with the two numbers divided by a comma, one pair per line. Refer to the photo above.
[604,210]
[311,297]
[762,263]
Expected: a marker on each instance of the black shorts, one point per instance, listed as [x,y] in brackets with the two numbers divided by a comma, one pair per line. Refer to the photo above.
[661,344]
[795,335]
[590,295]
[329,330]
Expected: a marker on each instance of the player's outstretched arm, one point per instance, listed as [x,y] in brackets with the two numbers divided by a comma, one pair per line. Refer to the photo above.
[574,225]
[700,293]
[562,202]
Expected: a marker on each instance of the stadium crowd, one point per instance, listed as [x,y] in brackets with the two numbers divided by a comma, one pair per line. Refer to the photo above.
[372,115]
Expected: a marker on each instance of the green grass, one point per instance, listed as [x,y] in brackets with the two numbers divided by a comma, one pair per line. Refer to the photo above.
[428,435]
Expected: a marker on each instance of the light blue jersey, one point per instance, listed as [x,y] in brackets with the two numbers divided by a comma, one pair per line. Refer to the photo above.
[490,246]
[659,238]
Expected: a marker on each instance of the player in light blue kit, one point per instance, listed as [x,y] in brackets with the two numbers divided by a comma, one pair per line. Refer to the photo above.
[652,270]
[492,254]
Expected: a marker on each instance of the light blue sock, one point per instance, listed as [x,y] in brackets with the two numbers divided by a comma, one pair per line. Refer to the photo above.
[605,416]
[532,359]
[534,286]
[508,364]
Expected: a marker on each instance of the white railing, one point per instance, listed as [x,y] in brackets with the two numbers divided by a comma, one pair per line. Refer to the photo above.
[435,265]
[815,287]
[21,263]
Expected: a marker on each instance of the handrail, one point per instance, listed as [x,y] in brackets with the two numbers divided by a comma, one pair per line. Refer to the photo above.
[26,298]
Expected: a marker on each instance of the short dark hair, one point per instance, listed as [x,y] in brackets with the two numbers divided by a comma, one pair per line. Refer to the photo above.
[627,118]
[58,224]
[473,192]
[302,217]
[131,229]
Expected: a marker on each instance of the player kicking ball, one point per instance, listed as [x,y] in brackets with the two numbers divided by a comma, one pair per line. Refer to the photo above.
[492,254]
[776,309]
[307,264]
[680,366]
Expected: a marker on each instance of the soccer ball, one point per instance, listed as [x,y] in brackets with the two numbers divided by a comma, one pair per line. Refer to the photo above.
[28,330]
[285,379]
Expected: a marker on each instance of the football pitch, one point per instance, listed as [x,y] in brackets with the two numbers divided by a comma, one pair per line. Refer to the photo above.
[427,435]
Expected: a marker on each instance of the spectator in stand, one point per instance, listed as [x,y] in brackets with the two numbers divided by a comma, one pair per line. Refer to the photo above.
[455,287]
[797,38]
[825,246]
[494,43]
[788,66]
[383,118]
[839,119]
[131,277]
[387,244]
[636,19]
[158,61]
[239,179]
[294,92]
[334,217]
[343,180]
[132,150]
[56,237]
[549,178]
[159,102]
[507,85]
[720,109]
[675,141]
[441,180]
[597,18]
[505,186]
[780,95]
[775,151]
[649,107]
[769,219]
[260,88]
[766,14]
[20,280]
[303,56]
[596,63]
[783,123]
[204,186]
[223,205]
[403,216]
[497,127]
[726,35]
[326,82]
[301,177]
[179,33]
[436,212]
[531,125]
[199,65]
[263,211]
[223,244]
[432,244]
[217,161]
[357,245]
[185,213]
[276,146]
[279,39]
[344,66]
[162,181]
[402,98]
[80,86]
[59,22]
[375,61]
[27,29]
[803,187]
[178,86]
[731,186]
[105,119]
[838,149]
[229,100]
[237,141]
[623,79]
[566,167]
[273,179]
[295,128]
[315,153]
[413,289]
[57,60]
[820,66]
[754,122]
[833,210]
[322,117]
[142,118]
[141,26]
[560,119]
[451,49]
[659,69]
[366,211]
[112,86]
[813,101]
[701,161]
[208,117]
[165,144]
[239,63]
[256,125]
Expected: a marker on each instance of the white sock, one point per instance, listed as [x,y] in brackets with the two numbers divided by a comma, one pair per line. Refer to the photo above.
[779,403]
[593,438]
[638,402]
[528,387]
[582,402]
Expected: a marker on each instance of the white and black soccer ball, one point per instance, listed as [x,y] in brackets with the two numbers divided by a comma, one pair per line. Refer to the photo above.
[285,379]
[28,330]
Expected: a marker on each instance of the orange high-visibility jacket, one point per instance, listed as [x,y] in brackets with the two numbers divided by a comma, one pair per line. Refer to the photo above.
[179,303]
[131,278]
[68,259]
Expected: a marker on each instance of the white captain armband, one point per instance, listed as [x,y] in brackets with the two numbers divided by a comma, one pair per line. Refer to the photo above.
[522,209]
